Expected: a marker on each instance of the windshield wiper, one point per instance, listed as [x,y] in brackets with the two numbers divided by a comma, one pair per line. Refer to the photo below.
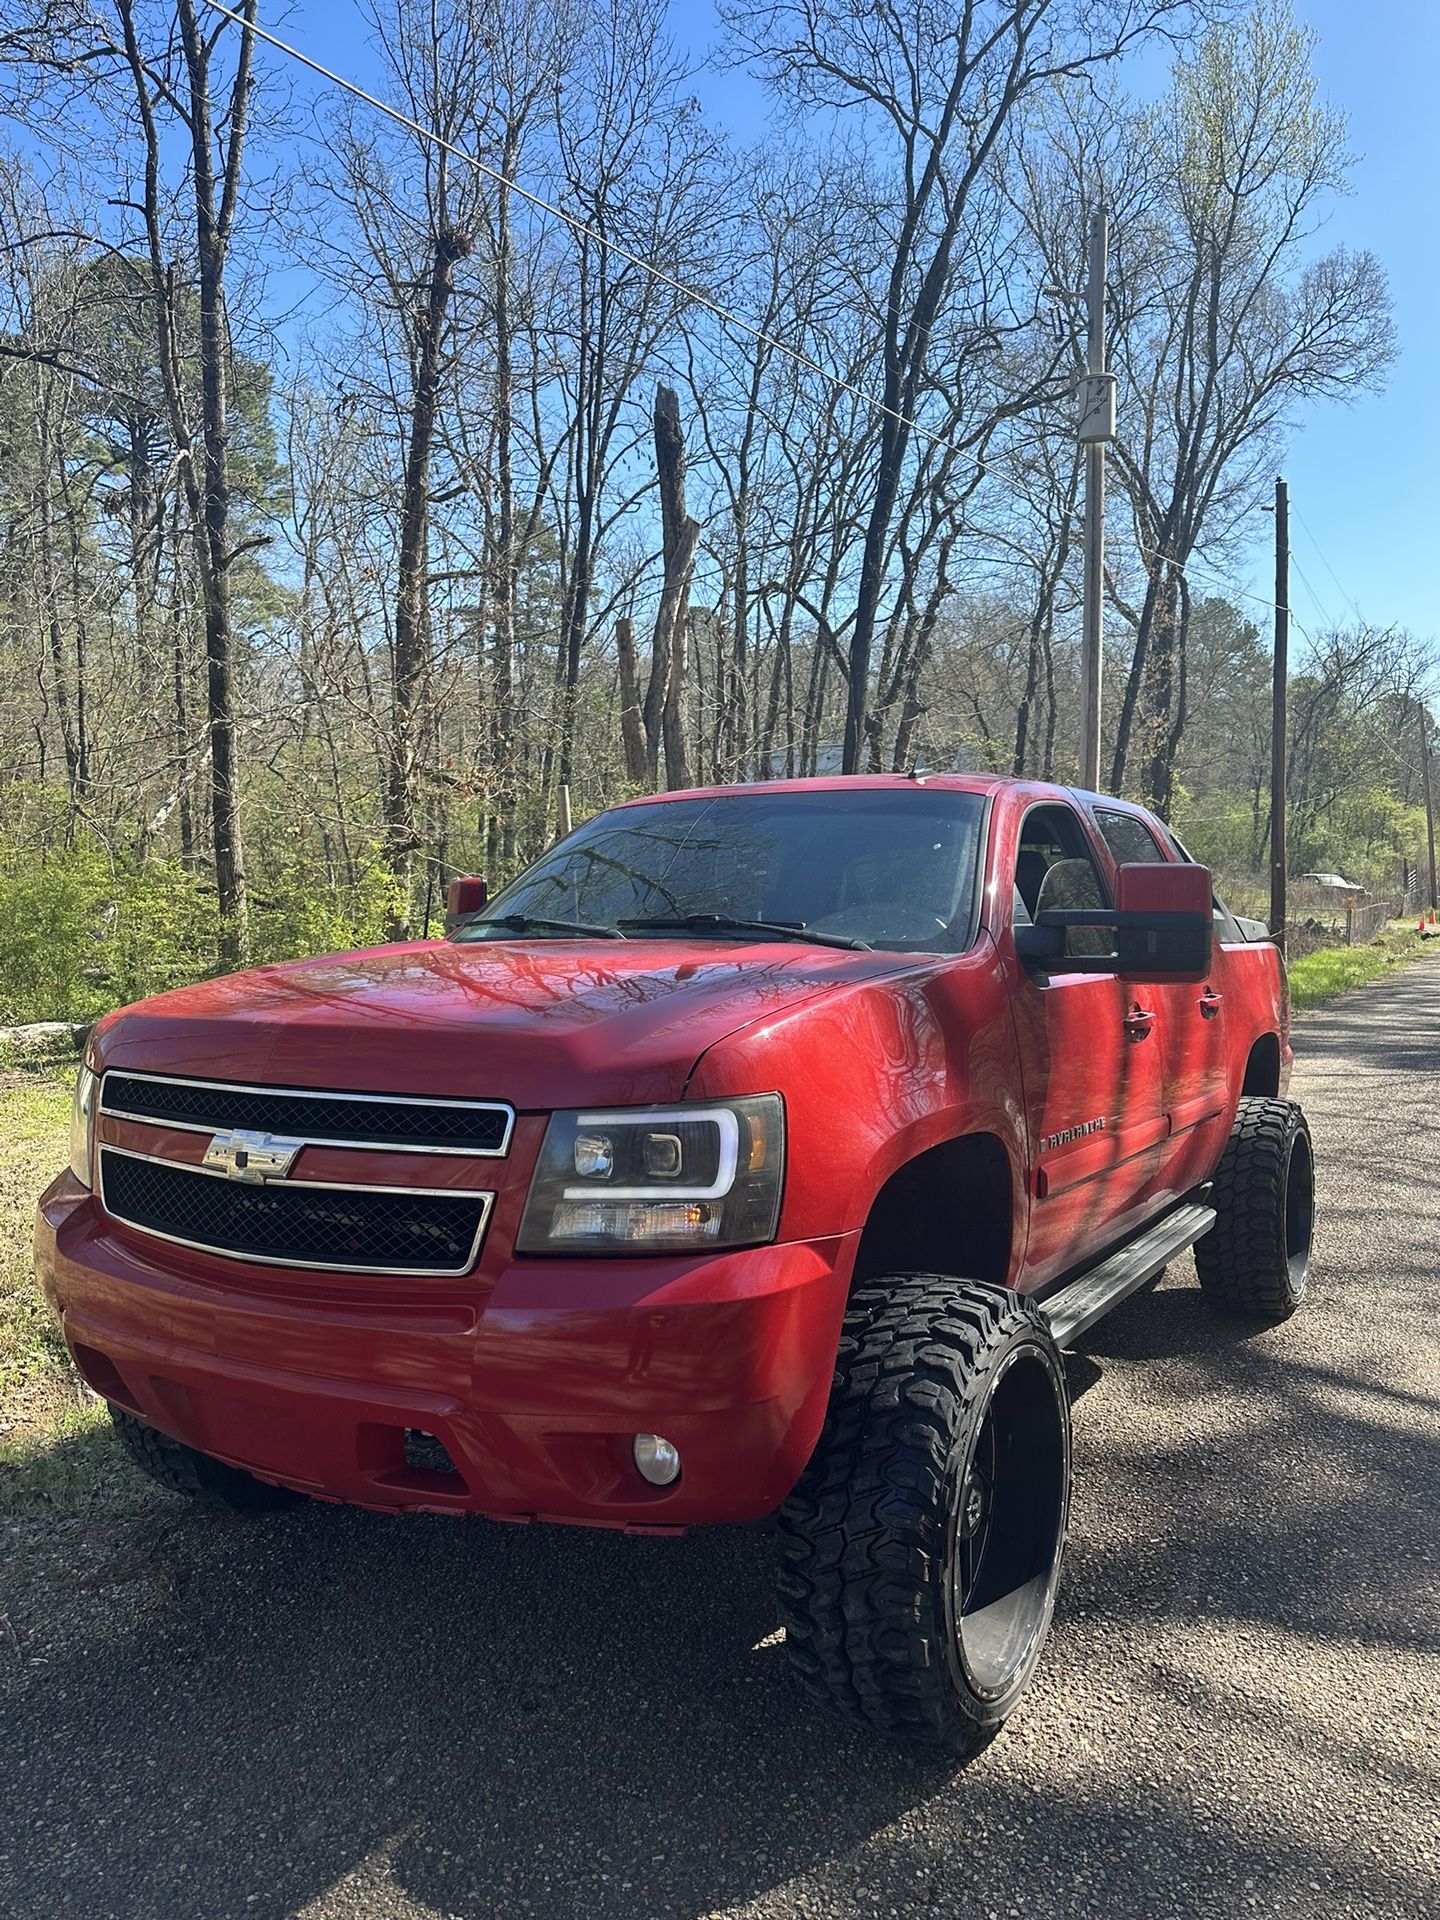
[726,923]
[528,923]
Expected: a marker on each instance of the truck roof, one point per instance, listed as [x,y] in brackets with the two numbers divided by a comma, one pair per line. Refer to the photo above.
[981,783]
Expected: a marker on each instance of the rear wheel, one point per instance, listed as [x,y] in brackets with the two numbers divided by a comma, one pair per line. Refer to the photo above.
[922,1545]
[1256,1258]
[180,1469]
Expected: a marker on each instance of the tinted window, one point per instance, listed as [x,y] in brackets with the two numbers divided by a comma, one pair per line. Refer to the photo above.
[1129,839]
[1055,868]
[895,869]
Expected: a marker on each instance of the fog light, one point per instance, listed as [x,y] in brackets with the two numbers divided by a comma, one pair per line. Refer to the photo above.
[658,1459]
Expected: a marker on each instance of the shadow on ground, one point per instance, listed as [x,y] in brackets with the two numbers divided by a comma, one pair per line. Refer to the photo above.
[249,1714]
[334,1713]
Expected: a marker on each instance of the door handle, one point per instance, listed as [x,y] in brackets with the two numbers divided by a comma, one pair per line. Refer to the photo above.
[1210,1004]
[1138,1022]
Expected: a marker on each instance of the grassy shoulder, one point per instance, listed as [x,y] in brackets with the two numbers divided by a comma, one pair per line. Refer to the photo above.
[1319,976]
[55,1447]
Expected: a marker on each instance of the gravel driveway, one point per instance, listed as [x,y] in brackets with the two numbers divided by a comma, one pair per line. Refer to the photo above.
[332,1713]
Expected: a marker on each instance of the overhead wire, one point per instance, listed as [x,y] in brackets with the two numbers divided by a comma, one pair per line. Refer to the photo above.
[725,314]
[1316,601]
[582,227]
[1348,598]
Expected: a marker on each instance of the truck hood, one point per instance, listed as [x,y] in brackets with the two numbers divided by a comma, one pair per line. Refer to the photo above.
[552,1023]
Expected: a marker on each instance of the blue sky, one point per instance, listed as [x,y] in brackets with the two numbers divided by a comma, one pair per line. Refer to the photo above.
[1367,477]
[1365,497]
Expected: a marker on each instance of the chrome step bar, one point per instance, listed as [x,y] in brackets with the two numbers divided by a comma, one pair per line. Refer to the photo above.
[1076,1307]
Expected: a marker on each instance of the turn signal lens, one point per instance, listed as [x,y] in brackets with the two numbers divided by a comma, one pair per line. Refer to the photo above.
[82,1125]
[633,1220]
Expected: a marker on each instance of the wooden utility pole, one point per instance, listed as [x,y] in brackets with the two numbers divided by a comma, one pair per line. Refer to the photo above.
[1429,799]
[1097,426]
[1277,714]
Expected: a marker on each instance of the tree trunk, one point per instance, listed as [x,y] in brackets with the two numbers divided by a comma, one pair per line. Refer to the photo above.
[411,655]
[503,617]
[632,732]
[674,618]
[214,213]
[666,694]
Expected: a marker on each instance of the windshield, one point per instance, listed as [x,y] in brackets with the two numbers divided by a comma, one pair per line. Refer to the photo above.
[895,870]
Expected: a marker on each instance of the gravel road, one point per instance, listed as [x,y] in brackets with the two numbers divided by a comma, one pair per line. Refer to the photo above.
[334,1714]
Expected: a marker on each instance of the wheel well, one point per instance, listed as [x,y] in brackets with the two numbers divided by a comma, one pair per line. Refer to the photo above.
[946,1211]
[1262,1069]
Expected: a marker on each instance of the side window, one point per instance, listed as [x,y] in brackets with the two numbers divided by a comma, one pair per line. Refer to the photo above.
[1055,868]
[1227,928]
[1129,839]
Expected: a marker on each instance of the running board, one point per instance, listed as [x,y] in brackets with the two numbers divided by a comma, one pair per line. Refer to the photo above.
[1076,1307]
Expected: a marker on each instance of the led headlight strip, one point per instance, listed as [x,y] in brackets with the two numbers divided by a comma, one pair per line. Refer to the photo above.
[719,1117]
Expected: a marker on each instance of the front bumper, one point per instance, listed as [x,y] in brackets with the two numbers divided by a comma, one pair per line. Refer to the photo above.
[534,1383]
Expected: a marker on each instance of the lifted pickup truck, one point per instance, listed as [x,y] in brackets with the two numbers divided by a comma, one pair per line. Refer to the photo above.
[757,1151]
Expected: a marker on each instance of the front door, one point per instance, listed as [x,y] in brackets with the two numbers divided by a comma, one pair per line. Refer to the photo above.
[1090,1064]
[1192,1032]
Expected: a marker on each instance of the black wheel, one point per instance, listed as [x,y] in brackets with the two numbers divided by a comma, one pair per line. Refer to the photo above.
[921,1549]
[180,1469]
[1256,1258]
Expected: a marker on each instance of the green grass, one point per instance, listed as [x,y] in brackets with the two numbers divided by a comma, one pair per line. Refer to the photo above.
[1320,976]
[54,1438]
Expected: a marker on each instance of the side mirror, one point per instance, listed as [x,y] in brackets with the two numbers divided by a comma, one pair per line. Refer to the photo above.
[1164,922]
[464,899]
[1035,946]
[1163,919]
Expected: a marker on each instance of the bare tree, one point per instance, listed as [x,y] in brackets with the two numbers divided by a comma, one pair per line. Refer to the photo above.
[937,83]
[1223,319]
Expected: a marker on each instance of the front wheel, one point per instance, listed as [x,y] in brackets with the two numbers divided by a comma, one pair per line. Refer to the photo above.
[180,1469]
[922,1545]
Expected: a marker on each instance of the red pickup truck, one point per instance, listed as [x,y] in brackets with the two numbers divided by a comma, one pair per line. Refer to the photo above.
[758,1151]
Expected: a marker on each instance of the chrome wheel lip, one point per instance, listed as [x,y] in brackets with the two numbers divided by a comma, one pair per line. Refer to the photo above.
[956,1593]
[1299,1220]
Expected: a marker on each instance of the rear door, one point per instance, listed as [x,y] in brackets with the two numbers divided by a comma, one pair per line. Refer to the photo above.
[1089,1062]
[1191,1029]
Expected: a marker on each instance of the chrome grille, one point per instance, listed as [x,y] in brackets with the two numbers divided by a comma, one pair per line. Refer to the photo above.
[296,1223]
[325,1119]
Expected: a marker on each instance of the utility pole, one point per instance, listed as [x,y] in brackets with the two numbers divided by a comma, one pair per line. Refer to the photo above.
[1277,714]
[1429,799]
[1097,426]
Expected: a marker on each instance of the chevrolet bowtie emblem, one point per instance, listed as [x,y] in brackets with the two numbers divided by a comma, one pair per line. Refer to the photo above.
[243,1155]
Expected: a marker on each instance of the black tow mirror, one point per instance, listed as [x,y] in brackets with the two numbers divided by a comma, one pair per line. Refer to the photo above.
[1165,924]
[1163,919]
[1036,945]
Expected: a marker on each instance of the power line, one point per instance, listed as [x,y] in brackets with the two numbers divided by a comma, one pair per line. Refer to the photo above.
[1316,601]
[579,226]
[1348,598]
[1210,578]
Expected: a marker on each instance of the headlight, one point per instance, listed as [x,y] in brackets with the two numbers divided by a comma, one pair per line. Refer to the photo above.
[661,1178]
[82,1124]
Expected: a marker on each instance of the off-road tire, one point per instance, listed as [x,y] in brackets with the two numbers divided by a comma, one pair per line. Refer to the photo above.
[874,1535]
[1256,1257]
[180,1469]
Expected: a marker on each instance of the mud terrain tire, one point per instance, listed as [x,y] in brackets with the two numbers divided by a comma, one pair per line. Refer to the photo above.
[921,1548]
[1256,1258]
[180,1469]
